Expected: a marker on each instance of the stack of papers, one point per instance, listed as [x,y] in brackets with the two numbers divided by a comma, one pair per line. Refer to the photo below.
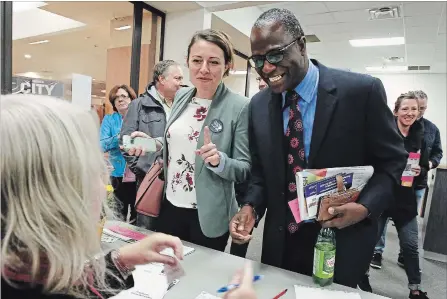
[314,293]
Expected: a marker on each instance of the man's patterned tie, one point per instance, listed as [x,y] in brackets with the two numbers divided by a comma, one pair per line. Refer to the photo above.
[296,160]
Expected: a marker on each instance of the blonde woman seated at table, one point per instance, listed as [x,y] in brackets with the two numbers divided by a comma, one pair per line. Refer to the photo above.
[53,191]
[205,147]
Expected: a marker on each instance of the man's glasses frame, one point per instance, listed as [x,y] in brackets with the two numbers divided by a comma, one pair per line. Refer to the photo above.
[274,56]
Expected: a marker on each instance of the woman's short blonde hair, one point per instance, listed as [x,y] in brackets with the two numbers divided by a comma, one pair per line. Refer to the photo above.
[51,196]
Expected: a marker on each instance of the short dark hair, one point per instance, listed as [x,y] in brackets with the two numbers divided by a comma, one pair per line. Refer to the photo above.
[420,94]
[220,39]
[114,90]
[288,20]
[161,68]
[404,96]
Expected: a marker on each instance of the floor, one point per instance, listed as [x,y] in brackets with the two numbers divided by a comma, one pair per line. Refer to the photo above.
[390,281]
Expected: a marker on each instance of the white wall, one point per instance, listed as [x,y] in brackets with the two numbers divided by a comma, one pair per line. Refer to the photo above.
[180,27]
[434,85]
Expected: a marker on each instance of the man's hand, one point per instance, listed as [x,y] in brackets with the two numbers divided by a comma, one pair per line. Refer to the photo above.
[347,214]
[242,224]
[138,150]
[416,170]
[208,151]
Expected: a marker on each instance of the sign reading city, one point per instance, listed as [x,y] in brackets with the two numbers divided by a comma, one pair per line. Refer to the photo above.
[25,85]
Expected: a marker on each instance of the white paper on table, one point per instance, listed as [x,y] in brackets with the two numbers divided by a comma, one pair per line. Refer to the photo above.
[315,293]
[147,286]
[205,295]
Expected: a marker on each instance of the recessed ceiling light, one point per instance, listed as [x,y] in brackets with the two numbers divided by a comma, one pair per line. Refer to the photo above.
[40,42]
[390,68]
[374,42]
[123,27]
[27,56]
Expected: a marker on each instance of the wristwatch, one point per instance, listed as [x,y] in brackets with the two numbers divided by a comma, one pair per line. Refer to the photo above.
[255,214]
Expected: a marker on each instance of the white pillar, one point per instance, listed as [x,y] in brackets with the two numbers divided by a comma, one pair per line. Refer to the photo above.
[180,27]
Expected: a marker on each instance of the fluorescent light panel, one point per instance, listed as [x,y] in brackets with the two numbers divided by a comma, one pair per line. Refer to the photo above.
[27,56]
[40,42]
[374,42]
[18,6]
[123,27]
[392,68]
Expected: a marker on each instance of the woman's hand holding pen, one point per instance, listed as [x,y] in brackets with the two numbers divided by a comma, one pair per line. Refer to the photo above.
[244,278]
[208,151]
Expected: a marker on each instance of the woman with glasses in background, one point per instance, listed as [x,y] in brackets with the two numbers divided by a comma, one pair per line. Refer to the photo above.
[124,186]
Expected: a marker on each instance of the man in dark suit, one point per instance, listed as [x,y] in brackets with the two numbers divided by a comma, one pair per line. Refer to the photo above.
[337,119]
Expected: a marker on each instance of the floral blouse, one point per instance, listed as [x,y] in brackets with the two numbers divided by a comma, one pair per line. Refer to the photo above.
[182,138]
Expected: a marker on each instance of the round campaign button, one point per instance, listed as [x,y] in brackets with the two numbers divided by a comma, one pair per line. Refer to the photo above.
[216,126]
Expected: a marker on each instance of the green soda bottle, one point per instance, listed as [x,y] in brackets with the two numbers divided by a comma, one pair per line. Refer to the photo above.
[324,257]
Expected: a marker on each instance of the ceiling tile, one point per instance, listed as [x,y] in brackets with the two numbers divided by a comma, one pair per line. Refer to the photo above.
[440,56]
[300,8]
[351,16]
[440,67]
[420,54]
[330,37]
[318,19]
[442,24]
[356,5]
[422,8]
[422,21]
[441,43]
[416,35]
[326,29]
[373,29]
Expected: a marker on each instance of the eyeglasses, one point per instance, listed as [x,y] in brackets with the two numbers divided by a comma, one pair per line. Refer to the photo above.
[274,56]
[122,96]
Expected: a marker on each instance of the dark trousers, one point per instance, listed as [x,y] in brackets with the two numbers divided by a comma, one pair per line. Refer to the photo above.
[354,249]
[125,194]
[239,249]
[184,223]
[299,249]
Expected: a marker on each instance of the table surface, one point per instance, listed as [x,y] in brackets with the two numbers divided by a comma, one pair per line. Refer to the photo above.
[208,270]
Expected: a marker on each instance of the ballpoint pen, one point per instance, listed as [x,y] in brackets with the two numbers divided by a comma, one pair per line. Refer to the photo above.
[280,294]
[233,286]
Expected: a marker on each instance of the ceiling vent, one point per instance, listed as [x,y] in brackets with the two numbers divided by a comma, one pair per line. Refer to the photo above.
[418,67]
[312,38]
[384,13]
[393,59]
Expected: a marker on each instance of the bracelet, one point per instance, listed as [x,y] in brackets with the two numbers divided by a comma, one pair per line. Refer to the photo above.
[124,270]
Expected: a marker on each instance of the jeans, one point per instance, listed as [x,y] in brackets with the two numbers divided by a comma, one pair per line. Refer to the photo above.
[408,240]
[380,246]
[419,196]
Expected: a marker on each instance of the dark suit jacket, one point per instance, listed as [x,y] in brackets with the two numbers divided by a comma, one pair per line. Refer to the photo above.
[353,126]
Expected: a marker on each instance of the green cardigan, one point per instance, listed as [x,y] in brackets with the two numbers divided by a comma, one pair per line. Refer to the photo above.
[216,201]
